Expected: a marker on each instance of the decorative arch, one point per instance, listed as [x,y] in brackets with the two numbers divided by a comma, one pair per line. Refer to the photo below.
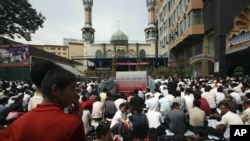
[241,23]
[109,54]
[142,53]
[98,54]
[120,53]
[131,53]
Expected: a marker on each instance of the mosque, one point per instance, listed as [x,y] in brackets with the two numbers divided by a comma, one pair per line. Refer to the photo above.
[120,54]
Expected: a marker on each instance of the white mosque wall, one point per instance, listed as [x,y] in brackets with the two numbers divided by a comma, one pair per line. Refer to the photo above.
[91,49]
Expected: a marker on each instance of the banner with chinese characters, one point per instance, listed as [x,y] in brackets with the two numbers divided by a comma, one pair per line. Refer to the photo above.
[129,81]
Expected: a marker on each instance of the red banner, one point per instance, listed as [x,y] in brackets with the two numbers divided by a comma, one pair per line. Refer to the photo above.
[131,63]
[129,81]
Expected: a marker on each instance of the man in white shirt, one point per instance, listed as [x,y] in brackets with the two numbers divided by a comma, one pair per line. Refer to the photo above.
[157,93]
[119,120]
[155,118]
[245,116]
[152,103]
[97,109]
[236,96]
[228,118]
[210,97]
[119,101]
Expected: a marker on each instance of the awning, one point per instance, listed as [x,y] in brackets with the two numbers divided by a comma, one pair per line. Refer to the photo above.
[237,50]
[71,69]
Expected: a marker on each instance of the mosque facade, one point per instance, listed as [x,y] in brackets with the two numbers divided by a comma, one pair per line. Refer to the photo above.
[120,54]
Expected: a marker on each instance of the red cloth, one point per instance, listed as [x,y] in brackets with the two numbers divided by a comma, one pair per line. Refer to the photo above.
[127,95]
[47,122]
[205,106]
[85,104]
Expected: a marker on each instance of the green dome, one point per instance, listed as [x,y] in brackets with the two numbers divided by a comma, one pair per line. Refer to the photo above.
[119,37]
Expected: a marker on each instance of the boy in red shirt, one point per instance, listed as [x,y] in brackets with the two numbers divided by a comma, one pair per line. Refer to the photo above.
[48,121]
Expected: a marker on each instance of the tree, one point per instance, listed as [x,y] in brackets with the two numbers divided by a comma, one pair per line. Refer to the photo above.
[238,71]
[17,17]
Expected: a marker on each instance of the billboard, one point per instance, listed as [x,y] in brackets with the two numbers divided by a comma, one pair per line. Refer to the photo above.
[14,55]
[129,81]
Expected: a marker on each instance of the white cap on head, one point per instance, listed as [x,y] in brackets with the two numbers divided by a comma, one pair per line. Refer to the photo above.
[19,87]
[89,88]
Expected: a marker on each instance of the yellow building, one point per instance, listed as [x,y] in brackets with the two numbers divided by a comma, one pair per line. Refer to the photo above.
[76,49]
[67,51]
[59,50]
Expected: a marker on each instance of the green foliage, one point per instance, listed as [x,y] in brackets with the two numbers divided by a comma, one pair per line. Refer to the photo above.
[17,17]
[183,70]
[238,71]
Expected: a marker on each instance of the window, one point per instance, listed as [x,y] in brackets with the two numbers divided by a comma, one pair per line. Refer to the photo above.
[196,17]
[198,48]
[109,54]
[64,49]
[210,45]
[98,54]
[52,48]
[142,53]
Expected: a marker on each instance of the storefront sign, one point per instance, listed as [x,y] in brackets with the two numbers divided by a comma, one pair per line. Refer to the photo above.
[201,57]
[243,38]
[173,62]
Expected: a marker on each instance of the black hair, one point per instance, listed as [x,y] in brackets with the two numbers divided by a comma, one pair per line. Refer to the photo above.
[138,109]
[84,98]
[135,92]
[220,89]
[148,90]
[122,105]
[152,134]
[39,70]
[203,132]
[161,96]
[247,102]
[108,94]
[175,104]
[230,91]
[128,135]
[248,95]
[102,130]
[177,93]
[197,103]
[207,88]
[59,76]
[226,105]
[179,137]
[105,89]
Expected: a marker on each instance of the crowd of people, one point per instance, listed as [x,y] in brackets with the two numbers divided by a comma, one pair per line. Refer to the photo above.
[54,105]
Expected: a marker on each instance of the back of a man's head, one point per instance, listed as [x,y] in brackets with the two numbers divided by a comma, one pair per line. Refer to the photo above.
[57,76]
[39,70]
[152,134]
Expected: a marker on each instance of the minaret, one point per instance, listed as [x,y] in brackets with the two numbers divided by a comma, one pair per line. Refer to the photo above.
[88,30]
[151,30]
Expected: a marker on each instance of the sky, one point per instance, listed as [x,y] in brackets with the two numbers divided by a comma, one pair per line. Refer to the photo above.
[65,18]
